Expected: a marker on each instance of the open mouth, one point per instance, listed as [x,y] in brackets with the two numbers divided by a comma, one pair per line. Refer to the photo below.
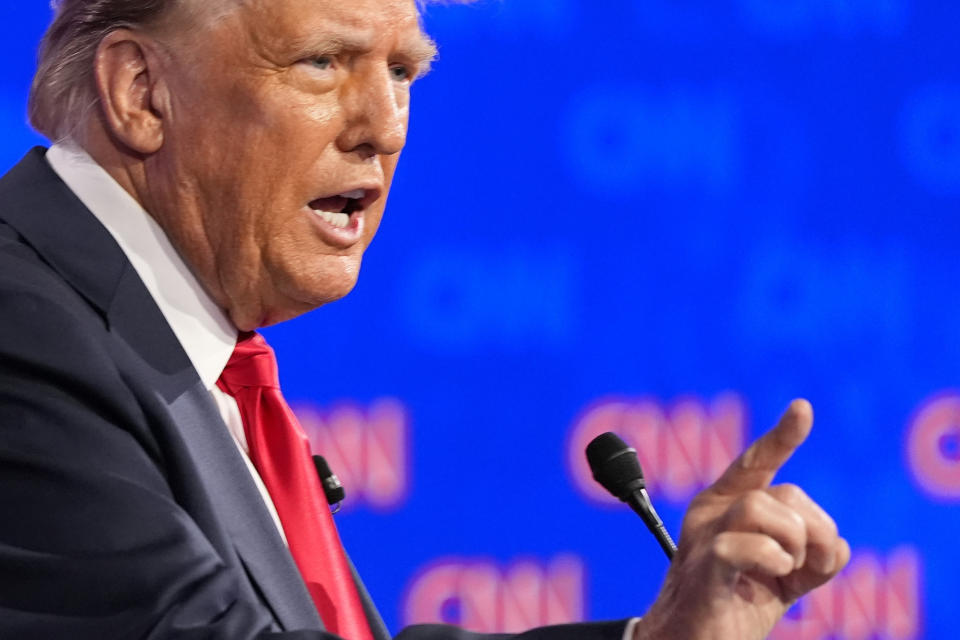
[338,209]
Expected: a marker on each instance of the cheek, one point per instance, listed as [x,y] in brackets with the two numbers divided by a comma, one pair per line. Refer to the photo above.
[308,115]
[260,129]
[324,115]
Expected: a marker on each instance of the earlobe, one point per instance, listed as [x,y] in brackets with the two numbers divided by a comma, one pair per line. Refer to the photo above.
[126,84]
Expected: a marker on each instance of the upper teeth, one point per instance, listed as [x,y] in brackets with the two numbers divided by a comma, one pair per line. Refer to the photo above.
[356,194]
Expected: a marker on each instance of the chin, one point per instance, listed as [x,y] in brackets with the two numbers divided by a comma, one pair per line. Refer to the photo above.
[320,291]
[289,309]
[331,292]
[301,292]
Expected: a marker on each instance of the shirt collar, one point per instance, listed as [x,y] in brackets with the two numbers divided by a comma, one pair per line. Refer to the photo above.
[203,329]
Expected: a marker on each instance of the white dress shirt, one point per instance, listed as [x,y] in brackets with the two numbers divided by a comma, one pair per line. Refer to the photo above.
[203,329]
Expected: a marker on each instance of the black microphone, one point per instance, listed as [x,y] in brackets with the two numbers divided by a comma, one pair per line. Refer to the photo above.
[615,466]
[332,488]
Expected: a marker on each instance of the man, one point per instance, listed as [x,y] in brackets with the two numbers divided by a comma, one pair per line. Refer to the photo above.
[222,165]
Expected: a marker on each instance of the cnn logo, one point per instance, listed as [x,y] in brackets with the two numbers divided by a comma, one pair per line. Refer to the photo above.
[368,449]
[874,598]
[682,447]
[484,597]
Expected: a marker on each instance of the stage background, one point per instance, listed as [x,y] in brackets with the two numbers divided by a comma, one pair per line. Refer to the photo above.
[665,216]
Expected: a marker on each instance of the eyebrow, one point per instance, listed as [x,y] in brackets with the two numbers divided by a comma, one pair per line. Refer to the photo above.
[420,50]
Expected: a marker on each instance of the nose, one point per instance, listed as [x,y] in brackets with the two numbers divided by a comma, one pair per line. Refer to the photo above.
[376,109]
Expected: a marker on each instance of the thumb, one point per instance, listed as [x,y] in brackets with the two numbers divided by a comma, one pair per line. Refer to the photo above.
[757,466]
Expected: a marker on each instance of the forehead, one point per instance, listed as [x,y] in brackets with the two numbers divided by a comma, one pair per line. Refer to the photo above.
[370,22]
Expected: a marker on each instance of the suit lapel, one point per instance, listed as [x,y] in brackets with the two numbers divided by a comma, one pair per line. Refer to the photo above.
[241,510]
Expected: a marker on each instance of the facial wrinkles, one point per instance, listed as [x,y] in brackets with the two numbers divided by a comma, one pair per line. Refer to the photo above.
[248,145]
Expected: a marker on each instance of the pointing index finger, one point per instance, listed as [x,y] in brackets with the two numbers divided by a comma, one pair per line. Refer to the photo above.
[757,466]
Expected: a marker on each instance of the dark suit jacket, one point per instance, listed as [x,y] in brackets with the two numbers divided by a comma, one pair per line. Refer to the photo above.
[126,510]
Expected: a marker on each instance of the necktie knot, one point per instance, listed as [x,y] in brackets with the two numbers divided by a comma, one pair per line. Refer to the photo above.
[253,364]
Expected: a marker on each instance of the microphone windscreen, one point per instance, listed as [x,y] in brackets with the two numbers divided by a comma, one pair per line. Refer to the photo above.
[615,465]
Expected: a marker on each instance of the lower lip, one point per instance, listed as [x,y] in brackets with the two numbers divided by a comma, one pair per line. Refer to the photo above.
[340,237]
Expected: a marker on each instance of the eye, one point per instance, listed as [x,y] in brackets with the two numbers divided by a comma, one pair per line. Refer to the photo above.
[323,63]
[401,73]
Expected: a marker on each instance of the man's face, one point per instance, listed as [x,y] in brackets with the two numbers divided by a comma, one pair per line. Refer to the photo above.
[286,120]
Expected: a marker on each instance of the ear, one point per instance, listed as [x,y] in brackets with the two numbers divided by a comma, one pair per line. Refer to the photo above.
[132,94]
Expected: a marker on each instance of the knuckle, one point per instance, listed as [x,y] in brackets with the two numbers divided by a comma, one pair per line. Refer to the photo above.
[753,504]
[830,525]
[722,546]
[767,547]
[792,493]
[799,524]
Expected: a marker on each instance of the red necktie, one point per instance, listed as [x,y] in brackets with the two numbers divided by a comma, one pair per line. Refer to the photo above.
[280,451]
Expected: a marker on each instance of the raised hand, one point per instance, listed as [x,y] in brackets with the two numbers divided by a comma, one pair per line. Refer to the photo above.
[748,549]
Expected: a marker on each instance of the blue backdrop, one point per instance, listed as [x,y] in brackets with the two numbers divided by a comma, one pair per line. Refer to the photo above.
[664,216]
